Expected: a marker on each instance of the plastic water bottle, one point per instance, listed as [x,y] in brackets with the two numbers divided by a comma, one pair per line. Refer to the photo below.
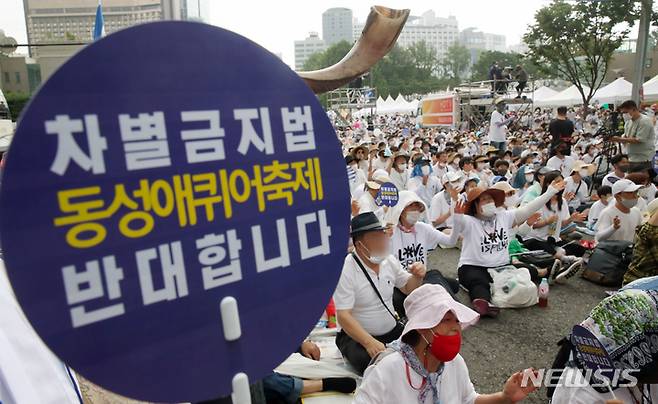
[543,293]
[331,314]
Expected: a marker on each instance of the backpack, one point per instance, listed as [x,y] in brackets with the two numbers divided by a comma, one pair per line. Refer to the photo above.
[539,259]
[609,262]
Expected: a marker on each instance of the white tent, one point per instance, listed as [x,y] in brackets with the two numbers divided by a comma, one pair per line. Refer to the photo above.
[650,89]
[570,96]
[614,93]
[380,103]
[543,93]
[399,100]
[394,106]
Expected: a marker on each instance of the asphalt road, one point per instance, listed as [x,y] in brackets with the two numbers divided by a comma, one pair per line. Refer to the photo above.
[519,338]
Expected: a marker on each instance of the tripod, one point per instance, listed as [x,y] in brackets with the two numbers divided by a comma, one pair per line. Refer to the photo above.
[608,150]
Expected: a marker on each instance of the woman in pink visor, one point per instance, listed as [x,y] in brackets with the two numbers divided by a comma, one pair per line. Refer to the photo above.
[425,366]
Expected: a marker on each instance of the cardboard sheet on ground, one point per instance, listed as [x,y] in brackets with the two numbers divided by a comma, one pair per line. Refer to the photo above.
[328,398]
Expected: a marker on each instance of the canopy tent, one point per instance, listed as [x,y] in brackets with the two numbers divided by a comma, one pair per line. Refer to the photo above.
[380,103]
[570,96]
[542,93]
[614,93]
[650,89]
[395,106]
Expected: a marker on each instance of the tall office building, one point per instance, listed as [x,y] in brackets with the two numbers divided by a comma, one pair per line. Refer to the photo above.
[72,21]
[195,10]
[437,32]
[305,48]
[337,25]
[474,39]
[61,21]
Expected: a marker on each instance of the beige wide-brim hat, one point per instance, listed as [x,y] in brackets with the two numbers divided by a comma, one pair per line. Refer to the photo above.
[428,304]
[581,165]
[503,186]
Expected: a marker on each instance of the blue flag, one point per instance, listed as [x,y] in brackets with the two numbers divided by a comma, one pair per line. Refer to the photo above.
[99,26]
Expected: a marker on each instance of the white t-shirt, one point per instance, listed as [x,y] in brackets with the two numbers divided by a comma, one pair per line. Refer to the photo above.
[386,383]
[629,222]
[496,132]
[425,191]
[439,171]
[378,164]
[610,179]
[355,293]
[563,166]
[29,371]
[587,395]
[553,229]
[367,204]
[595,213]
[580,189]
[359,179]
[440,205]
[400,179]
[485,242]
[413,247]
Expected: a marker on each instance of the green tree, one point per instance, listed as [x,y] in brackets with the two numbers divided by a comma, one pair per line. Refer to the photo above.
[407,71]
[328,57]
[455,63]
[403,70]
[480,69]
[16,102]
[576,39]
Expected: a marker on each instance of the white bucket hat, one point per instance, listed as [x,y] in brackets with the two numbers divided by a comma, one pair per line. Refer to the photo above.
[428,304]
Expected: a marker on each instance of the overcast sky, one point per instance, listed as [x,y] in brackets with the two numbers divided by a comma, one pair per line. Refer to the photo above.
[276,24]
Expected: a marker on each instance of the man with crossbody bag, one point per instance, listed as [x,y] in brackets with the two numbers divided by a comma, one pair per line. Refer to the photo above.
[364,295]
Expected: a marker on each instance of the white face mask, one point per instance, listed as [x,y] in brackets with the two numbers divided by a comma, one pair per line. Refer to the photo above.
[583,173]
[425,170]
[412,217]
[376,259]
[529,178]
[644,192]
[626,116]
[629,203]
[402,166]
[488,210]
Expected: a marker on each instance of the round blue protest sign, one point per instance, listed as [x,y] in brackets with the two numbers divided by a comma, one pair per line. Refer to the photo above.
[159,171]
[387,195]
[591,352]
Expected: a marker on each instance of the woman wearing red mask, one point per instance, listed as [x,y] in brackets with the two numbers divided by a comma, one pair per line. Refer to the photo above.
[425,366]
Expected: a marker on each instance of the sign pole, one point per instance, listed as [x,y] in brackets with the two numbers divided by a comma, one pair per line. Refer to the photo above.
[641,50]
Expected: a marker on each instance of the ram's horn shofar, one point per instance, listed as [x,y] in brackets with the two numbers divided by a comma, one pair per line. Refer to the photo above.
[378,37]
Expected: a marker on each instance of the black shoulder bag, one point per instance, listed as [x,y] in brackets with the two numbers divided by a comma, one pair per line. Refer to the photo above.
[397,319]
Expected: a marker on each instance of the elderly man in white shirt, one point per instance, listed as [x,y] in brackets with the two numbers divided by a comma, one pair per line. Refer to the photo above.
[364,295]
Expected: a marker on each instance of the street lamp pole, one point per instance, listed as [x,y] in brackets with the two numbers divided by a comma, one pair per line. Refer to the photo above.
[641,50]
